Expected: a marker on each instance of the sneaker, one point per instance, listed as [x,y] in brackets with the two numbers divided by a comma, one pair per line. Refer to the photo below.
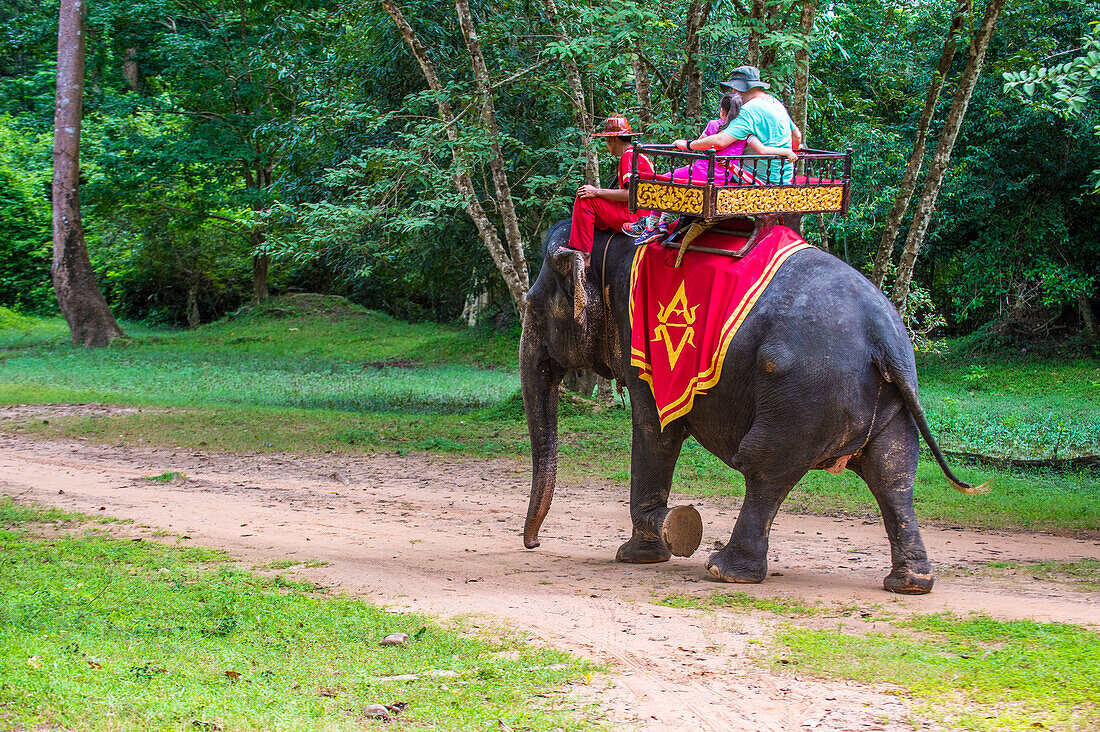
[652,234]
[634,228]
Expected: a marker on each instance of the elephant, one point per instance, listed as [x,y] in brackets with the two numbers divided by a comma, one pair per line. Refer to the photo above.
[821,372]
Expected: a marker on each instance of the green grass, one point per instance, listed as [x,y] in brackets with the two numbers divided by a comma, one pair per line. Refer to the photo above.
[974,673]
[313,374]
[1011,405]
[106,633]
[744,601]
[325,354]
[1082,575]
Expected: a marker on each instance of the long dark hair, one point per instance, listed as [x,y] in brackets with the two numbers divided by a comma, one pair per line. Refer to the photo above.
[731,105]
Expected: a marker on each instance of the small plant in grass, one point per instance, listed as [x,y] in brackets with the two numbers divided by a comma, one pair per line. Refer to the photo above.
[277,564]
[167,477]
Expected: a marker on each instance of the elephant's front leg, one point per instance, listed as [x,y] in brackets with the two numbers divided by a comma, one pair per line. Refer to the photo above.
[658,531]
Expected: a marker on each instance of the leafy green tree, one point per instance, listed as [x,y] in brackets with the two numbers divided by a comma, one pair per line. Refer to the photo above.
[24,221]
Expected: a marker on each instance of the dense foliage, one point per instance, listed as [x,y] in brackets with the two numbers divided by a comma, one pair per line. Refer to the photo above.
[300,133]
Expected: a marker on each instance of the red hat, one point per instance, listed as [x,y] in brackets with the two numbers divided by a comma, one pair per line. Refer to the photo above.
[616,126]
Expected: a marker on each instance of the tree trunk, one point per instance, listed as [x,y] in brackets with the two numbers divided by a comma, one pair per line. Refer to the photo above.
[769,54]
[922,217]
[800,104]
[756,32]
[193,319]
[1088,318]
[505,203]
[475,307]
[605,394]
[580,381]
[641,87]
[581,118]
[131,72]
[823,227]
[909,180]
[691,74]
[90,320]
[513,272]
[260,264]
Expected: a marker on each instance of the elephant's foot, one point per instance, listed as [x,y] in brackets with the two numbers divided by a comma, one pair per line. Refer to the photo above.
[905,581]
[643,551]
[729,568]
[682,530]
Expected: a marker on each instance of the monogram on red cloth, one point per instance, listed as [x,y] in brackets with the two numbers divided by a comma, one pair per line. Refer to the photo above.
[683,319]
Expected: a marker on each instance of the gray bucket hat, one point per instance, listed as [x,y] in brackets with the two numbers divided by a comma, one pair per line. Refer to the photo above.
[744,78]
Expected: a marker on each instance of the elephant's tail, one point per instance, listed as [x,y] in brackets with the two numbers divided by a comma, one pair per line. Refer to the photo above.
[902,379]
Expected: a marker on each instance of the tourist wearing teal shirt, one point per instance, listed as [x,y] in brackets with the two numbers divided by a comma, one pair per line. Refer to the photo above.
[761,115]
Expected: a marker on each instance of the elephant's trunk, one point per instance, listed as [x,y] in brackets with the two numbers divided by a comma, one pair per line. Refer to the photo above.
[540,380]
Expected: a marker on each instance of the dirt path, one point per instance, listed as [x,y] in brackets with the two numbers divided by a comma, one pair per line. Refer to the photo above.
[443,535]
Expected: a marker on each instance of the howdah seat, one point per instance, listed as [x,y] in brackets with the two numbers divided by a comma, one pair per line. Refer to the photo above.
[757,189]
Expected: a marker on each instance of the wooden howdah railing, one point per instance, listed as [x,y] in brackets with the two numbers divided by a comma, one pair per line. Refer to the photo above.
[741,185]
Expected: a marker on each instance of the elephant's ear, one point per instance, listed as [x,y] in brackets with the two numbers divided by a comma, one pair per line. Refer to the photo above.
[569,264]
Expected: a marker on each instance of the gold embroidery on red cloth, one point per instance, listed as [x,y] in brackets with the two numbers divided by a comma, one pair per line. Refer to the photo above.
[678,307]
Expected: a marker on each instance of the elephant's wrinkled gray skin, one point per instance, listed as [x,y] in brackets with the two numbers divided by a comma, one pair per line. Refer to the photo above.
[821,369]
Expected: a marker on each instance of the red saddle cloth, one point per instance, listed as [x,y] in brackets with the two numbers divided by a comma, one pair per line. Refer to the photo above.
[683,319]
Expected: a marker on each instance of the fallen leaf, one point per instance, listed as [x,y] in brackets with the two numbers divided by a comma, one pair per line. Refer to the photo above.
[34,662]
[328,692]
[93,664]
[232,675]
[397,707]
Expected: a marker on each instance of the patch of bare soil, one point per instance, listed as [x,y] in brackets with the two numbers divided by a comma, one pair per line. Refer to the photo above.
[442,535]
[24,412]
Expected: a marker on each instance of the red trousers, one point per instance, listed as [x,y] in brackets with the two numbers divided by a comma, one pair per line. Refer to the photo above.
[592,213]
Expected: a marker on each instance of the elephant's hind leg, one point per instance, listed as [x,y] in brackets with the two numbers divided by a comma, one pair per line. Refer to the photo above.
[887,464]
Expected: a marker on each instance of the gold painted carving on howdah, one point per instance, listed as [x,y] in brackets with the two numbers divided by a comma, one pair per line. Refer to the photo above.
[752,200]
[670,198]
